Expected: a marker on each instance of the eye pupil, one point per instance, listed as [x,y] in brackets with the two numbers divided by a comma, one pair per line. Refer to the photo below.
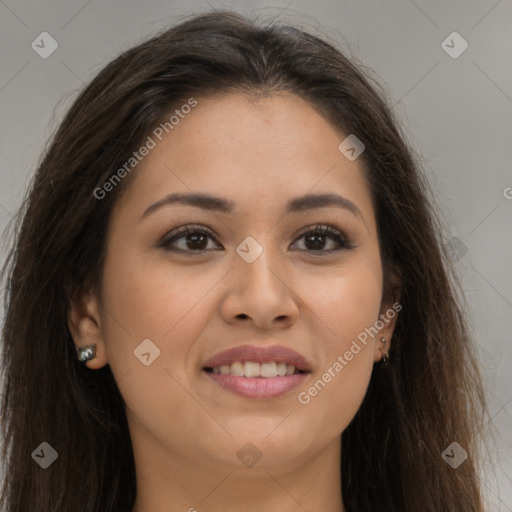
[195,238]
[318,241]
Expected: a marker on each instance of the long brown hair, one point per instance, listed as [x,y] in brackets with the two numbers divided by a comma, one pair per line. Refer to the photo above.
[429,396]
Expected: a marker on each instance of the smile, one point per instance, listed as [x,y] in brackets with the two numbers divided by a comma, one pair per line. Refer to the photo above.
[259,386]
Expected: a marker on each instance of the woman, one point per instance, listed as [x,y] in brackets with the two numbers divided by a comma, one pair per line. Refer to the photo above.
[227,290]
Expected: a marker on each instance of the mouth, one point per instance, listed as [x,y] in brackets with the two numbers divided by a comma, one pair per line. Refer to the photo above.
[252,369]
[258,372]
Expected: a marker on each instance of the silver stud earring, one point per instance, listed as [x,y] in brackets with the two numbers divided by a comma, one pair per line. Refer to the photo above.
[86,353]
[385,354]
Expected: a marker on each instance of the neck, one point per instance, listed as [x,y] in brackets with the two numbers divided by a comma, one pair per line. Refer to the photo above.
[166,482]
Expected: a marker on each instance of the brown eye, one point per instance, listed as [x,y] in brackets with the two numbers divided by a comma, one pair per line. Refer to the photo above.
[192,238]
[316,239]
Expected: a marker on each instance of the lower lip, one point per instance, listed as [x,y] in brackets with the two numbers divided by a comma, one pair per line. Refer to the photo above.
[262,387]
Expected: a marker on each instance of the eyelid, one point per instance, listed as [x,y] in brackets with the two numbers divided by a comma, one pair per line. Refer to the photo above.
[335,233]
[177,233]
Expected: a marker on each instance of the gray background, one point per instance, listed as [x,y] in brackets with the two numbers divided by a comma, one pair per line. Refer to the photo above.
[457,113]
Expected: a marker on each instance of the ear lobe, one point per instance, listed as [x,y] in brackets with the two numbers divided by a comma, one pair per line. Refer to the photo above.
[389,311]
[84,323]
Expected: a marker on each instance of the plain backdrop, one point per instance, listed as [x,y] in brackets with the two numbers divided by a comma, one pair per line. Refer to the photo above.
[456,110]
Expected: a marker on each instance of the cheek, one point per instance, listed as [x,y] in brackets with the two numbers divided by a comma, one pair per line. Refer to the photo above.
[332,398]
[344,305]
[148,299]
[345,301]
[147,302]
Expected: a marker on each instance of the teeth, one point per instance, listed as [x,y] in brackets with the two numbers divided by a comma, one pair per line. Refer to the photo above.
[251,369]
[237,369]
[281,369]
[268,370]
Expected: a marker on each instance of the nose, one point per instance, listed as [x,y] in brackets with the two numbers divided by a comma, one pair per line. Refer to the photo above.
[259,293]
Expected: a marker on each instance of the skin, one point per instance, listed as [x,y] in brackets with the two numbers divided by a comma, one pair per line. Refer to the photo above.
[186,430]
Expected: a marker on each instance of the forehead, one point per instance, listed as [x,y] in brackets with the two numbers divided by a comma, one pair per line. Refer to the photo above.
[252,150]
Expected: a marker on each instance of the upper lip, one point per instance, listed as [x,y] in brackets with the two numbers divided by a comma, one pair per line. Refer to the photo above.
[259,354]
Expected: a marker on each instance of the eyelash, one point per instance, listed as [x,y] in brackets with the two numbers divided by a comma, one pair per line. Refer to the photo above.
[322,229]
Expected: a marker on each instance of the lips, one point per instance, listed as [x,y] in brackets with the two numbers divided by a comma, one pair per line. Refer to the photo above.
[258,354]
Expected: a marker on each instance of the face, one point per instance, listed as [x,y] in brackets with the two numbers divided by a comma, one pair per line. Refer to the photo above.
[253,272]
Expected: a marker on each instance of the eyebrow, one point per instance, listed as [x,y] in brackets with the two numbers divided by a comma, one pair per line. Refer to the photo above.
[222,205]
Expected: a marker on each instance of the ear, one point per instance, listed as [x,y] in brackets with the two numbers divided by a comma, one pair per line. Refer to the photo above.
[84,322]
[389,311]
